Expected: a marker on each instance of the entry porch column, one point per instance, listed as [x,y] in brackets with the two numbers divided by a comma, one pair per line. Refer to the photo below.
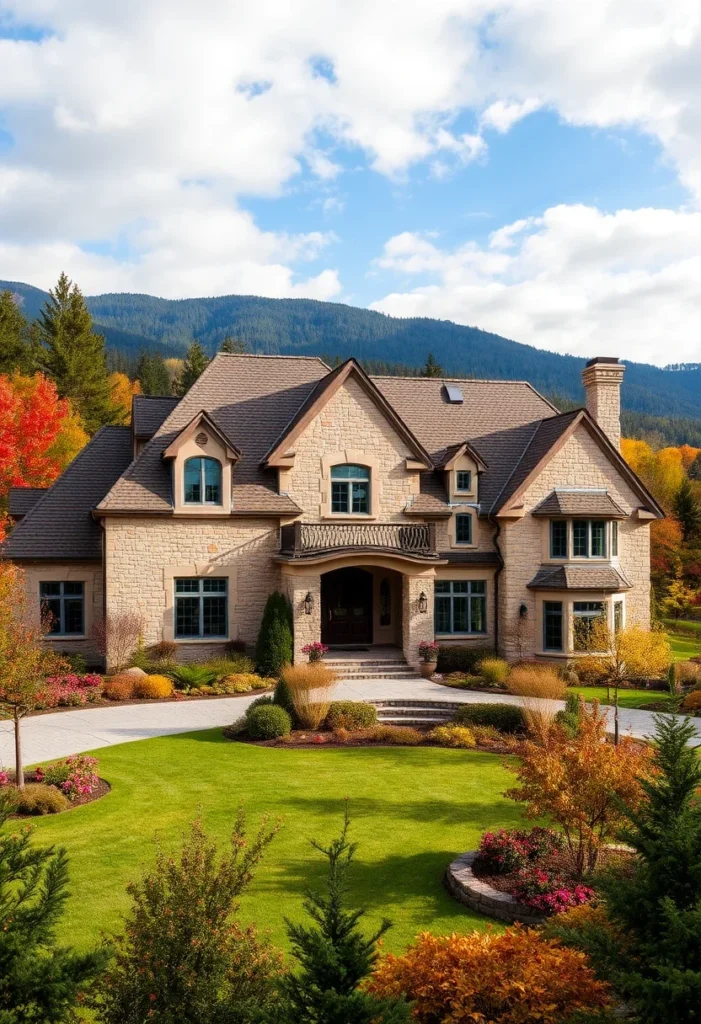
[306,626]
[417,626]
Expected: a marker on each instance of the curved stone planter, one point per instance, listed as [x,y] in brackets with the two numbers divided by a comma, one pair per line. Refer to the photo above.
[464,885]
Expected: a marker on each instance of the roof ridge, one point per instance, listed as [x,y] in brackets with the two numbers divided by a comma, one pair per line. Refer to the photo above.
[268,355]
[464,380]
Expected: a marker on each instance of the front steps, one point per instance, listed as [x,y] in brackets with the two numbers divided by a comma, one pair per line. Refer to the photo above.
[415,712]
[355,668]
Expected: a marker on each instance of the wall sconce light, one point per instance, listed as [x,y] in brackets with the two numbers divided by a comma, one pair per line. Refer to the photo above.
[423,603]
[523,611]
[308,603]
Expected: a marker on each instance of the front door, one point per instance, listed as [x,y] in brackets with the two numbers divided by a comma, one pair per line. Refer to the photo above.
[346,607]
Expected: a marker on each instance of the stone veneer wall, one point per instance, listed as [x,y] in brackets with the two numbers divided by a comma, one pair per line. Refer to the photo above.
[143,553]
[579,463]
[417,626]
[88,573]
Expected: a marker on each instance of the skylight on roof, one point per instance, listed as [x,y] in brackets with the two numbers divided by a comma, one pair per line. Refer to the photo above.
[454,394]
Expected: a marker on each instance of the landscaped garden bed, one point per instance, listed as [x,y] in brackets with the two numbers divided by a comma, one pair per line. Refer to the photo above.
[53,788]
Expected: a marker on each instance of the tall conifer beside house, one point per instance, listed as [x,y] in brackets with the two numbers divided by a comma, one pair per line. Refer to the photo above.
[74,356]
[196,362]
[152,374]
[15,341]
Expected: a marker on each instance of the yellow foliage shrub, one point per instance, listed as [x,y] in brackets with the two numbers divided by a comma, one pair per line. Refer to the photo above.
[514,978]
[154,687]
[453,736]
[494,670]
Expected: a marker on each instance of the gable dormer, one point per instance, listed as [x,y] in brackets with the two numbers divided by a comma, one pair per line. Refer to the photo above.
[202,460]
[461,470]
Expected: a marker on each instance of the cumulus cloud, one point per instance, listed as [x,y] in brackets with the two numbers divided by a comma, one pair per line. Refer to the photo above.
[574,280]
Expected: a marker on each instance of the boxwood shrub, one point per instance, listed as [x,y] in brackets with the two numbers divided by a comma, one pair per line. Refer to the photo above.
[351,715]
[268,722]
[504,717]
[462,658]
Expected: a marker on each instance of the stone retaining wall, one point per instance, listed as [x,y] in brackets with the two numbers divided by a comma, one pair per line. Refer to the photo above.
[463,884]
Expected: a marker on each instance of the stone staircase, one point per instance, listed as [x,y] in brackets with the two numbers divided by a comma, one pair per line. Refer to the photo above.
[415,712]
[354,667]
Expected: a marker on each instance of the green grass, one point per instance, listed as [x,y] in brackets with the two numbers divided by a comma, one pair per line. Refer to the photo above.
[412,809]
[626,698]
[684,647]
[684,626]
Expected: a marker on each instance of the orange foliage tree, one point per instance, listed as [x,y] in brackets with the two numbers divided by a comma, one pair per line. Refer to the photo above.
[122,390]
[578,783]
[40,433]
[662,471]
[514,978]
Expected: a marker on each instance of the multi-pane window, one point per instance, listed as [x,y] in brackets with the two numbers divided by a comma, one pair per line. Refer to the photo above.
[558,538]
[463,528]
[350,489]
[460,606]
[200,608]
[617,616]
[203,482]
[463,480]
[585,615]
[589,538]
[552,626]
[614,539]
[64,603]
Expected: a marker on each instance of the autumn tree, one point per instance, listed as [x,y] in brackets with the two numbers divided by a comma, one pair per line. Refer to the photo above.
[196,362]
[687,511]
[432,368]
[39,432]
[122,391]
[74,356]
[233,346]
[152,374]
[16,353]
[578,783]
[25,661]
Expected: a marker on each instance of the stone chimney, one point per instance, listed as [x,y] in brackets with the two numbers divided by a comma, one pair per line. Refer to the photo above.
[602,378]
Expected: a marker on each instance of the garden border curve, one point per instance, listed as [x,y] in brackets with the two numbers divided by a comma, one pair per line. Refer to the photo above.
[467,888]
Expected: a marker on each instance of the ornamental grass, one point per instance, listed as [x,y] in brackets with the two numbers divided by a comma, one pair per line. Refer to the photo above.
[310,691]
[540,688]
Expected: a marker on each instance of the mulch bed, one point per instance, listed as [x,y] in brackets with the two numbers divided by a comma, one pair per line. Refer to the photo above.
[307,740]
[557,864]
[104,703]
[102,789]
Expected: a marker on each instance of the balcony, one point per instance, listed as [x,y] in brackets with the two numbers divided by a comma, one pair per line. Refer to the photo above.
[415,540]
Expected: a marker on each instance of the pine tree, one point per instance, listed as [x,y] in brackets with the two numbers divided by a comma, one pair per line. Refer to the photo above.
[233,346]
[334,955]
[16,350]
[695,468]
[432,368]
[74,356]
[687,510]
[152,374]
[40,982]
[196,362]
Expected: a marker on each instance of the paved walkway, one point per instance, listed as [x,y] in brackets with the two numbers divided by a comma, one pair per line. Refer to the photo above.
[45,737]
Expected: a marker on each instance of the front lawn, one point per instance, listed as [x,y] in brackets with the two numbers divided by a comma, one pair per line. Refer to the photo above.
[683,647]
[413,810]
[626,698]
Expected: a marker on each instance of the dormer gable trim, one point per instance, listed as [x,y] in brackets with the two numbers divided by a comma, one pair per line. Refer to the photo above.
[202,421]
[464,449]
[282,452]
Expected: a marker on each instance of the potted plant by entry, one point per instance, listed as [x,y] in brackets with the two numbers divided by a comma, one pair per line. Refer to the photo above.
[428,652]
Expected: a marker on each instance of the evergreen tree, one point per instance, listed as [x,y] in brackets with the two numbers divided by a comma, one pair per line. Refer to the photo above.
[274,647]
[432,368]
[40,982]
[695,468]
[687,511]
[334,955]
[152,374]
[74,356]
[16,350]
[196,362]
[233,346]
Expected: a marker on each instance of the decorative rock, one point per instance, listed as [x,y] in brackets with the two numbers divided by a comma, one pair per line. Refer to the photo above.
[138,672]
[483,898]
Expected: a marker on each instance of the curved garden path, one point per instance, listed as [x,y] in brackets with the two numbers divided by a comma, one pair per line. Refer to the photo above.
[58,734]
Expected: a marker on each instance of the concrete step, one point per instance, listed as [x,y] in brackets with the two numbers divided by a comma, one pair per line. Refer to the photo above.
[411,715]
[411,722]
[372,673]
[416,705]
[351,666]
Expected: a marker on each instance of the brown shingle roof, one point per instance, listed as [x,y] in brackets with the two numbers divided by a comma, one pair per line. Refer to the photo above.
[251,399]
[579,577]
[432,499]
[470,557]
[580,503]
[22,499]
[60,525]
[148,412]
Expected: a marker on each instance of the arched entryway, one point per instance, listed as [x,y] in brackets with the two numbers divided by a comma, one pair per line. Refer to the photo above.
[347,607]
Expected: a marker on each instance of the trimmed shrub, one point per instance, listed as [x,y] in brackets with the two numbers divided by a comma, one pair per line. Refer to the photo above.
[120,687]
[274,647]
[453,736]
[37,798]
[571,718]
[691,704]
[486,735]
[261,682]
[154,687]
[495,671]
[259,702]
[393,735]
[351,715]
[268,722]
[504,717]
[191,677]
[462,658]
[283,697]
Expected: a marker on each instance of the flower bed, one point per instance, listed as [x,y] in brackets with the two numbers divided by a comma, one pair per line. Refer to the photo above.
[73,780]
[71,690]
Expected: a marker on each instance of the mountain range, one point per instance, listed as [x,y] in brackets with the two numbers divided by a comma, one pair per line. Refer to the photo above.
[132,323]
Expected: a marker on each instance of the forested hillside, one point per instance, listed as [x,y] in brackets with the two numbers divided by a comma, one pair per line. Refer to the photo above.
[132,323]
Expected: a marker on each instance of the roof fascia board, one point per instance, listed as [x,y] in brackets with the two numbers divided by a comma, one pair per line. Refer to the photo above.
[466,449]
[186,433]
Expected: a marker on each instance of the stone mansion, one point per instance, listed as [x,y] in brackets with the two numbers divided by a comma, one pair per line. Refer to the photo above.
[390,510]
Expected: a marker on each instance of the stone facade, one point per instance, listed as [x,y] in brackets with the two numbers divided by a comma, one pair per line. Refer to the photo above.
[602,384]
[87,573]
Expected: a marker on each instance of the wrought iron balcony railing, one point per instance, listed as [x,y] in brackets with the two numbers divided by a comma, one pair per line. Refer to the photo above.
[418,539]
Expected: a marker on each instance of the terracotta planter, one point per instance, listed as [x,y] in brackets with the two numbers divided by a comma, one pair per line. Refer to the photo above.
[427,668]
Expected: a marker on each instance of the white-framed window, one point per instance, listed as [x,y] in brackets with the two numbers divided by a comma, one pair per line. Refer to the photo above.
[463,480]
[350,490]
[463,528]
[460,606]
[200,608]
[202,481]
[65,604]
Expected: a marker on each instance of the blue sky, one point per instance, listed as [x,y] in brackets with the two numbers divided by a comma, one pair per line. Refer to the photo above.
[529,167]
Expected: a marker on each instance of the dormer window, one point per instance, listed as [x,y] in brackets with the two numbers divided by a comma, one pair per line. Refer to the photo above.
[463,481]
[203,482]
[350,490]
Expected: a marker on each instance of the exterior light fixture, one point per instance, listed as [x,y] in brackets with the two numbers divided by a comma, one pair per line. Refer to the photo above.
[308,603]
[423,603]
[523,611]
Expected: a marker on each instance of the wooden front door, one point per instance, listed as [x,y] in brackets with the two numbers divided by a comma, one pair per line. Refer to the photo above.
[346,607]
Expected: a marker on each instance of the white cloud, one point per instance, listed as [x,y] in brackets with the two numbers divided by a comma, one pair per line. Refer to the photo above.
[574,280]
[502,116]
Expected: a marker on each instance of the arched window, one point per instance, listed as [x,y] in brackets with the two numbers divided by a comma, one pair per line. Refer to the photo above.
[202,482]
[350,489]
